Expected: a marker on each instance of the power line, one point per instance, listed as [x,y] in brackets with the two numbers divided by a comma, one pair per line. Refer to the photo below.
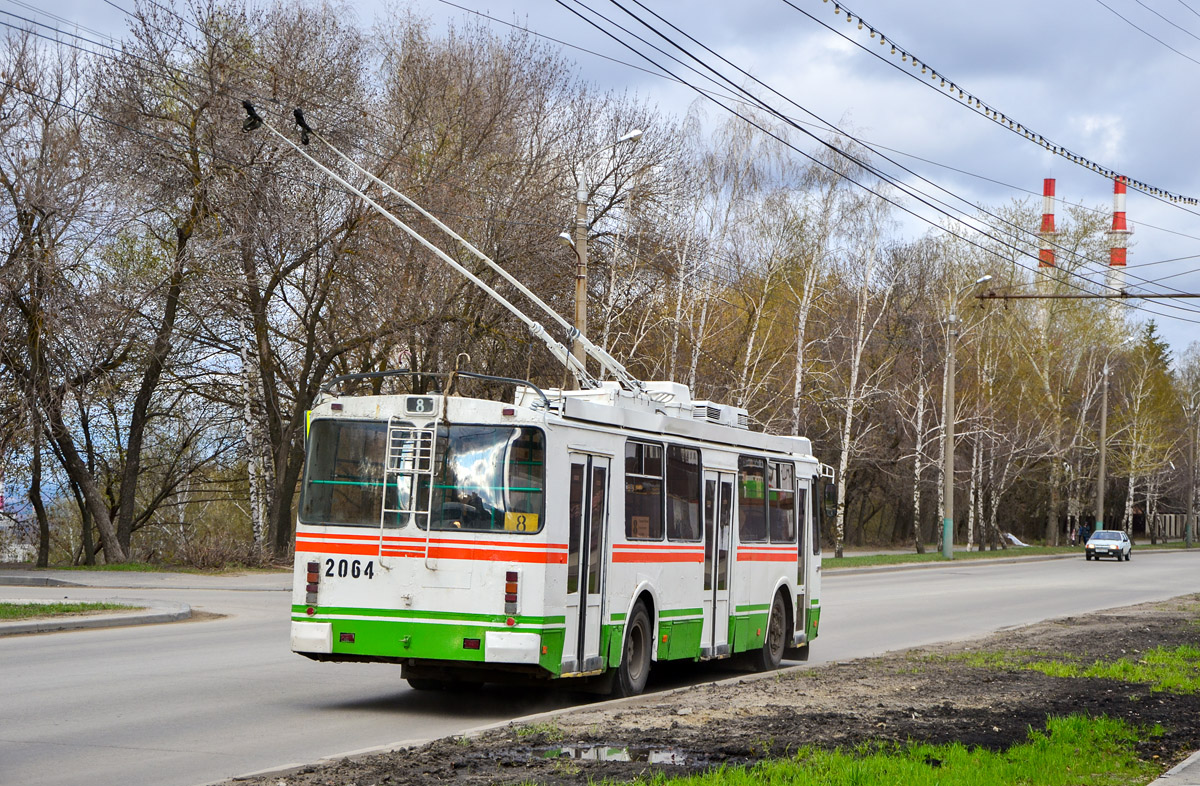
[981,107]
[866,167]
[750,76]
[826,126]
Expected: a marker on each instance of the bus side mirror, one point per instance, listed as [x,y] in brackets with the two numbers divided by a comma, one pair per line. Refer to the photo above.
[830,501]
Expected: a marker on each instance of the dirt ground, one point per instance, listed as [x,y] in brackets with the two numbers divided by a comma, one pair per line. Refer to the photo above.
[914,695]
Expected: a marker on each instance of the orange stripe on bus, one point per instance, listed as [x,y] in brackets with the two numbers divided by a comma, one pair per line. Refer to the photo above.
[634,556]
[306,547]
[475,555]
[758,557]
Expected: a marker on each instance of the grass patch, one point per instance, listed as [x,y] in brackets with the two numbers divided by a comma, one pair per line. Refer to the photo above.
[23,611]
[830,562]
[148,567]
[1072,751]
[1164,669]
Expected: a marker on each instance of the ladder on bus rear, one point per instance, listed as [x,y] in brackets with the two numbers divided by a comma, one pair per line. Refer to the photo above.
[411,456]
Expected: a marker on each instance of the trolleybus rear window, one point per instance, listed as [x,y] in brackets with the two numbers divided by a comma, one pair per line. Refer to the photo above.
[343,476]
[489,478]
[483,478]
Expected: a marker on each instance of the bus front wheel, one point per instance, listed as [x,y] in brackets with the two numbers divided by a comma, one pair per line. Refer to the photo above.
[635,655]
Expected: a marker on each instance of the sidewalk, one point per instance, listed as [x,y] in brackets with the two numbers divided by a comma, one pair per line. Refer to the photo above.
[124,587]
[1186,773]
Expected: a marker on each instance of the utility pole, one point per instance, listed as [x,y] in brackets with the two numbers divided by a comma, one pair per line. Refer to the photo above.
[1103,448]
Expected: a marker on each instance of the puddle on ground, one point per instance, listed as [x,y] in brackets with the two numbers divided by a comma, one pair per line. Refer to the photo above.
[607,753]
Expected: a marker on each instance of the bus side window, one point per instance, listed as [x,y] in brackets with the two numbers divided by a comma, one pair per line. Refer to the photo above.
[752,499]
[643,491]
[782,502]
[683,493]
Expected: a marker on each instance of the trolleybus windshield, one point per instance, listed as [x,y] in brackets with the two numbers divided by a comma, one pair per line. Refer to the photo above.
[484,478]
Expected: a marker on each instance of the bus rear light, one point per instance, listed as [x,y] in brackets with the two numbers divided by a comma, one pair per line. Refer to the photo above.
[470,644]
[310,589]
[508,412]
[310,611]
[510,622]
[512,580]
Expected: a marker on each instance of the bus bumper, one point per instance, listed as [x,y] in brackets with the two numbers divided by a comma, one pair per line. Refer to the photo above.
[507,647]
[312,637]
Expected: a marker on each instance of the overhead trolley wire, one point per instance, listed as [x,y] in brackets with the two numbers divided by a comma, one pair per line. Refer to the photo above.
[875,146]
[980,107]
[903,188]
[1017,250]
[1017,227]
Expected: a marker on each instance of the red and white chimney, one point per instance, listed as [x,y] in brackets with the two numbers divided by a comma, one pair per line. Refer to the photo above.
[1046,250]
[1118,238]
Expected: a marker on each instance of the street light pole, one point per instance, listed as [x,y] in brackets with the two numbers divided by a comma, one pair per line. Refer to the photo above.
[1101,470]
[1190,525]
[948,472]
[948,417]
[1103,448]
[581,241]
[581,263]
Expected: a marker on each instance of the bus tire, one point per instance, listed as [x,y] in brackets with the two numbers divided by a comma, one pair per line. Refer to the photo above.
[770,654]
[635,654]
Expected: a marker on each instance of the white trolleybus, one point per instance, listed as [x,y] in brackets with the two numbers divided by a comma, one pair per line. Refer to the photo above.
[546,535]
[566,534]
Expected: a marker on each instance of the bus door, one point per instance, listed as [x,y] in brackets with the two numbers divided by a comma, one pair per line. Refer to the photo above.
[588,524]
[718,526]
[804,508]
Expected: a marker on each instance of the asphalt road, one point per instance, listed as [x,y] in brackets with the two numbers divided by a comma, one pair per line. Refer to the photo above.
[194,702]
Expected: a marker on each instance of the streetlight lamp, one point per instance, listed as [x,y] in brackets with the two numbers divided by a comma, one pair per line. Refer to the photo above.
[1100,480]
[579,243]
[952,335]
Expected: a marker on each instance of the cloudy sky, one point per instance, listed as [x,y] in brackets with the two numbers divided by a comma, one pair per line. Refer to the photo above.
[1113,81]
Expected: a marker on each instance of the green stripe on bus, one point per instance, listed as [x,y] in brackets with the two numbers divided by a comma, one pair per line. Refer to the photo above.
[430,641]
[753,607]
[300,613]
[666,613]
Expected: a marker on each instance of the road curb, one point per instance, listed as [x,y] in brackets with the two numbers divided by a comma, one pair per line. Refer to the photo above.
[151,612]
[35,581]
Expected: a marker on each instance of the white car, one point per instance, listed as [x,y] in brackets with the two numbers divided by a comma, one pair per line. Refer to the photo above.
[1109,543]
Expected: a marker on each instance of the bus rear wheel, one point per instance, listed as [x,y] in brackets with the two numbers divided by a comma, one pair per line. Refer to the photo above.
[771,654]
[634,670]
